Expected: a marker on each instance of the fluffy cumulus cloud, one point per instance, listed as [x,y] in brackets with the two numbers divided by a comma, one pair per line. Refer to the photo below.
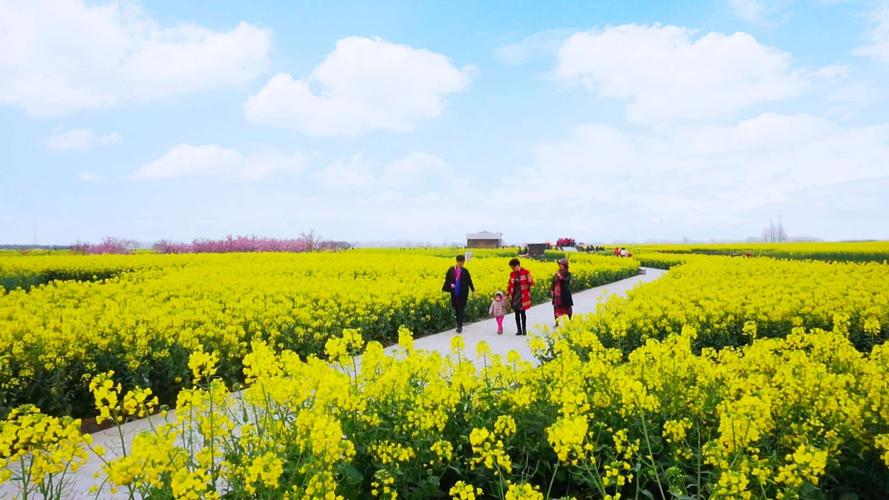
[66,55]
[77,139]
[365,84]
[80,139]
[212,161]
[877,36]
[669,72]
[603,182]
[540,44]
[707,180]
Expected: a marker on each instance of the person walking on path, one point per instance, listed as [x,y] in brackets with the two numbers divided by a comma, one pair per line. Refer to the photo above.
[519,293]
[498,310]
[458,282]
[560,290]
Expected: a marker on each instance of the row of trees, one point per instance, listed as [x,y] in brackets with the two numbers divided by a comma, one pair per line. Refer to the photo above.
[305,242]
[774,233]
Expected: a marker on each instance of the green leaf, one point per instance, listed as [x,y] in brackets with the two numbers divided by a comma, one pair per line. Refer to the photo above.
[351,474]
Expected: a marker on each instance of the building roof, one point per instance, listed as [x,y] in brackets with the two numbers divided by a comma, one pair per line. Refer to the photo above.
[484,235]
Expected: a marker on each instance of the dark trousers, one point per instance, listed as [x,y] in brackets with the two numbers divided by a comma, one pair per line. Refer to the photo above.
[460,310]
[521,322]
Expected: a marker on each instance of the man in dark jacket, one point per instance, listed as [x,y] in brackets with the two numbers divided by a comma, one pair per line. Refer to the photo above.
[458,283]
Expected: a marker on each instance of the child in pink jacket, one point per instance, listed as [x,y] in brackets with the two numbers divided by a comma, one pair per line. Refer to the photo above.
[498,310]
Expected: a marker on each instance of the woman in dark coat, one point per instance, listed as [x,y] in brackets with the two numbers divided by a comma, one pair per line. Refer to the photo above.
[560,289]
[458,282]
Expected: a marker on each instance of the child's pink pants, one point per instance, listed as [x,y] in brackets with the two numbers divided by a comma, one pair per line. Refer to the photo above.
[499,323]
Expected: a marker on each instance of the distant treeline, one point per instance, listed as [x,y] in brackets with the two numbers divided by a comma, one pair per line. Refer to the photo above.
[305,242]
[34,247]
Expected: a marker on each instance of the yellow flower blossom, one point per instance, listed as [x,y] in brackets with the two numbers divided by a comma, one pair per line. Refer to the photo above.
[523,491]
[464,491]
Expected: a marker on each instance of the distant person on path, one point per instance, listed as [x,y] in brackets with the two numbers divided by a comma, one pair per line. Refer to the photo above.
[519,294]
[498,310]
[458,282]
[560,290]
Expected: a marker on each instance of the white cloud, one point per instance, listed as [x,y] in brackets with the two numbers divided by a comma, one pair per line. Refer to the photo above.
[79,139]
[540,44]
[854,95]
[61,56]
[599,183]
[110,139]
[76,139]
[697,179]
[669,72]
[877,36]
[365,84]
[186,160]
[603,183]
[832,72]
[843,90]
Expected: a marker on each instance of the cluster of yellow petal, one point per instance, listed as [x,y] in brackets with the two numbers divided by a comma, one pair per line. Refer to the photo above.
[523,491]
[463,491]
[117,406]
[731,301]
[865,251]
[153,311]
[489,450]
[38,450]
[769,419]
[789,412]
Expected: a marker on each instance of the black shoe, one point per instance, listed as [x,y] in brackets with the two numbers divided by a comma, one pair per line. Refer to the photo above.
[459,329]
[518,333]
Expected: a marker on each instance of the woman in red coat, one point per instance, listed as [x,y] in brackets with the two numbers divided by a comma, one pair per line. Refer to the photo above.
[519,293]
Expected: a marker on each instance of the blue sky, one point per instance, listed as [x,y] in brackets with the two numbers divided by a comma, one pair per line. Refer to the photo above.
[423,121]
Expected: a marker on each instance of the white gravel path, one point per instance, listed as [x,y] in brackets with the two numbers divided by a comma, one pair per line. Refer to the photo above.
[584,302]
[538,316]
